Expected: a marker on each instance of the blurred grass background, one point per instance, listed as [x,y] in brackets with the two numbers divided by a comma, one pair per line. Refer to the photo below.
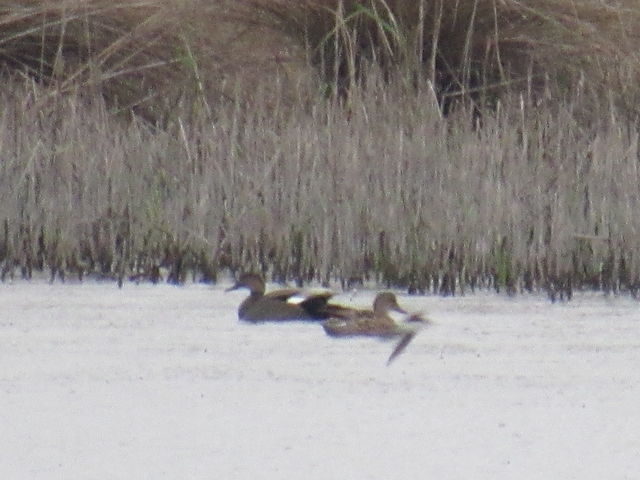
[432,145]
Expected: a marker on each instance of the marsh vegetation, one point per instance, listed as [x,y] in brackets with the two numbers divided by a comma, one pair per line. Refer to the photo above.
[412,144]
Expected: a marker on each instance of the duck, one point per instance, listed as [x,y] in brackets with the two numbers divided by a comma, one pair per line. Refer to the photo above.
[275,306]
[347,322]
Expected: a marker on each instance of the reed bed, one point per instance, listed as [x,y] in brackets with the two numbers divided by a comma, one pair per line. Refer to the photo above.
[388,191]
[425,145]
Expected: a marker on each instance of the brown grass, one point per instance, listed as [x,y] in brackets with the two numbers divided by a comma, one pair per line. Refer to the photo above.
[150,55]
[146,56]
[388,190]
[307,139]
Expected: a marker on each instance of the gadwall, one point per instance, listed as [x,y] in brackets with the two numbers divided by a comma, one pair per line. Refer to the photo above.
[274,306]
[348,322]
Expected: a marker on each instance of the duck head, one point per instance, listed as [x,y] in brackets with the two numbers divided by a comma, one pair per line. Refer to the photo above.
[386,302]
[252,281]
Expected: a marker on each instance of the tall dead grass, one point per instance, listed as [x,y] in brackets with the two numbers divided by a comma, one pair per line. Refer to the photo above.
[316,140]
[387,190]
[149,56]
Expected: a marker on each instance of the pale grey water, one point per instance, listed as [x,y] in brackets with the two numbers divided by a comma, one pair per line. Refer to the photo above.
[164,382]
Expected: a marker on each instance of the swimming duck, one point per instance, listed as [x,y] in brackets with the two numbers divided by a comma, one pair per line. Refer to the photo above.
[348,322]
[274,306]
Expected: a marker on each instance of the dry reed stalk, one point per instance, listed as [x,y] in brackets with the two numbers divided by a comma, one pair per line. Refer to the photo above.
[380,186]
[386,189]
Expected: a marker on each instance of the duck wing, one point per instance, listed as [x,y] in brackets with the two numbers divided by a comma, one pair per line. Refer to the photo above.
[345,313]
[361,325]
[401,345]
[315,304]
[282,295]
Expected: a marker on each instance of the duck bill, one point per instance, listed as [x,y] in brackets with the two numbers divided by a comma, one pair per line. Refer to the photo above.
[417,318]
[399,309]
